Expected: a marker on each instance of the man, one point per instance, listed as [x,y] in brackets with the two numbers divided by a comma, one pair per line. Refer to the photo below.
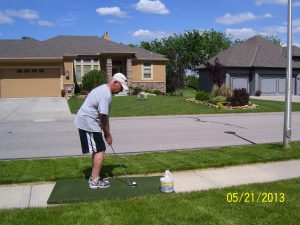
[91,118]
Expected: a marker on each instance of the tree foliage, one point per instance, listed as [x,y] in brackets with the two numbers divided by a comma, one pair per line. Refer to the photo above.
[217,72]
[186,51]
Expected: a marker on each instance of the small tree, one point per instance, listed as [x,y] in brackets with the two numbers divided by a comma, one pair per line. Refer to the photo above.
[217,72]
[93,79]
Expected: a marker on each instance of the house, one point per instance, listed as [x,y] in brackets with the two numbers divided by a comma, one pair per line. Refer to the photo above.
[255,64]
[32,68]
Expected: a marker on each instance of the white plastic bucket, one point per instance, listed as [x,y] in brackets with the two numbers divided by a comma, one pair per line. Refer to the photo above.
[167,183]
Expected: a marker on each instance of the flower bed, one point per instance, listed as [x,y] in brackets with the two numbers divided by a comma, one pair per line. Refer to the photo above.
[220,105]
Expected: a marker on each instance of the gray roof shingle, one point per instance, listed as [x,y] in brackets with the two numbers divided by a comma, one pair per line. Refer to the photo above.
[254,52]
[60,46]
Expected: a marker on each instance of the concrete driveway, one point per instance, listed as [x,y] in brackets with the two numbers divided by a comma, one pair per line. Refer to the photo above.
[34,109]
[295,98]
[37,127]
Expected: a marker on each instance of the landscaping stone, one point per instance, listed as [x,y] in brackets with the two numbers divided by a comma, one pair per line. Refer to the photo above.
[219,105]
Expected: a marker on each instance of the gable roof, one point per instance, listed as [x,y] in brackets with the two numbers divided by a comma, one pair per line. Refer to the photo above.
[60,46]
[254,52]
[295,51]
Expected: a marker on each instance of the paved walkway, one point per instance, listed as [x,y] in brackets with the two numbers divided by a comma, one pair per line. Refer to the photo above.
[36,195]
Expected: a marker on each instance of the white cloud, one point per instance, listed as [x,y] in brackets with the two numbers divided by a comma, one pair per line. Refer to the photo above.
[152,6]
[148,35]
[241,34]
[274,30]
[229,19]
[296,4]
[111,11]
[0,34]
[26,14]
[45,23]
[5,19]
[277,2]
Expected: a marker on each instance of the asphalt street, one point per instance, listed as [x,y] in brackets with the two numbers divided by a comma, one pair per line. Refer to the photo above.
[198,131]
[57,136]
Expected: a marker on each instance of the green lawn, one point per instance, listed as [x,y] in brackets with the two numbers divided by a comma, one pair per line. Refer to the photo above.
[172,105]
[18,171]
[207,208]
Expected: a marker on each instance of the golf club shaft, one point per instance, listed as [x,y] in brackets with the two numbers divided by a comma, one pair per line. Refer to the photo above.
[120,163]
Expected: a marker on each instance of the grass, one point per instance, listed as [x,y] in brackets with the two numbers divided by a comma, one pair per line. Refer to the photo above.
[207,207]
[19,171]
[172,105]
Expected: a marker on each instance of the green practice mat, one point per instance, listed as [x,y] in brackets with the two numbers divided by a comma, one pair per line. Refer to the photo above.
[77,190]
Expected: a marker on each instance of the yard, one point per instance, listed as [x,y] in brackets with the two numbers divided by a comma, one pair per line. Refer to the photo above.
[205,207]
[172,105]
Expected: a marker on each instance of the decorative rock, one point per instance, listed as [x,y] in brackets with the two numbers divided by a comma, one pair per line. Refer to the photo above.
[221,106]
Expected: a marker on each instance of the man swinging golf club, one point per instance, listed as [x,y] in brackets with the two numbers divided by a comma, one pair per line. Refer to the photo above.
[91,119]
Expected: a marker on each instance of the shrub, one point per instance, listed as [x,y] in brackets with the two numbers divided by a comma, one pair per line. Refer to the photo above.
[220,105]
[93,79]
[136,90]
[258,93]
[202,96]
[240,97]
[62,92]
[157,92]
[221,91]
[218,99]
[77,89]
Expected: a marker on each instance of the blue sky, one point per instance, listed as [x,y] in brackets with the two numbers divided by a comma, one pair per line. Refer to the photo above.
[132,21]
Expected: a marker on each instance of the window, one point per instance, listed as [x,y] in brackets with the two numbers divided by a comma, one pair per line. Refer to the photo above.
[86,69]
[83,65]
[19,70]
[26,70]
[41,70]
[147,71]
[116,66]
[78,73]
[33,70]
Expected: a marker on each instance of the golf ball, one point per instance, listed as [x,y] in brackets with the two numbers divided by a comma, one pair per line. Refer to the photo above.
[133,183]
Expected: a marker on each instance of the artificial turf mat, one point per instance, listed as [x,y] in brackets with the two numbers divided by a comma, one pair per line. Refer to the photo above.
[77,190]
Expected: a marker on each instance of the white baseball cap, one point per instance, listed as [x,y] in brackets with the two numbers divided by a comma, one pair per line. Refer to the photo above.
[122,79]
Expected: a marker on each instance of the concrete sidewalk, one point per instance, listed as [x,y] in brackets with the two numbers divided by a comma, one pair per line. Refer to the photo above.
[36,195]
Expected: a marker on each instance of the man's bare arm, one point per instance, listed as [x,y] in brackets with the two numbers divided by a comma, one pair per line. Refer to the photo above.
[104,119]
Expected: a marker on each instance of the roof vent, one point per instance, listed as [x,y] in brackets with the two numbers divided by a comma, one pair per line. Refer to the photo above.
[106,36]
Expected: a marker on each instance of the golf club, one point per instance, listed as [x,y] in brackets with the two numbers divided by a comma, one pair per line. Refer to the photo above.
[131,184]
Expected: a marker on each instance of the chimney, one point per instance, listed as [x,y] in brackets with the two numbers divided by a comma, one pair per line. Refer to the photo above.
[106,36]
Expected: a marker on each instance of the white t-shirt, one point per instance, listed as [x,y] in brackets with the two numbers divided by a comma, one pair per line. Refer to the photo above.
[96,103]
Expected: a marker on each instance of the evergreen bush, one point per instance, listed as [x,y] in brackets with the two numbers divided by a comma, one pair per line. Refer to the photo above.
[93,79]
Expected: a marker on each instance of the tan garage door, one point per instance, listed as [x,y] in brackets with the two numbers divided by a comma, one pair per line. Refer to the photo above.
[37,82]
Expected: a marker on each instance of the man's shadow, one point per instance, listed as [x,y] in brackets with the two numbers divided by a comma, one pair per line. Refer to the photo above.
[106,170]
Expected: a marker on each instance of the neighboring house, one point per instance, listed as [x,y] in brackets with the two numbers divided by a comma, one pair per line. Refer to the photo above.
[255,64]
[31,68]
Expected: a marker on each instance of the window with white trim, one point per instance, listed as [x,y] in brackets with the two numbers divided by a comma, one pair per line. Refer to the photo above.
[85,65]
[147,71]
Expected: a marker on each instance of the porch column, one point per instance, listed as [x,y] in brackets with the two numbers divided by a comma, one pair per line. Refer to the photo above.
[129,71]
[109,68]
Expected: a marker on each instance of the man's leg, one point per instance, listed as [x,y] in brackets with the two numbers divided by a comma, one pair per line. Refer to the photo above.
[97,161]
